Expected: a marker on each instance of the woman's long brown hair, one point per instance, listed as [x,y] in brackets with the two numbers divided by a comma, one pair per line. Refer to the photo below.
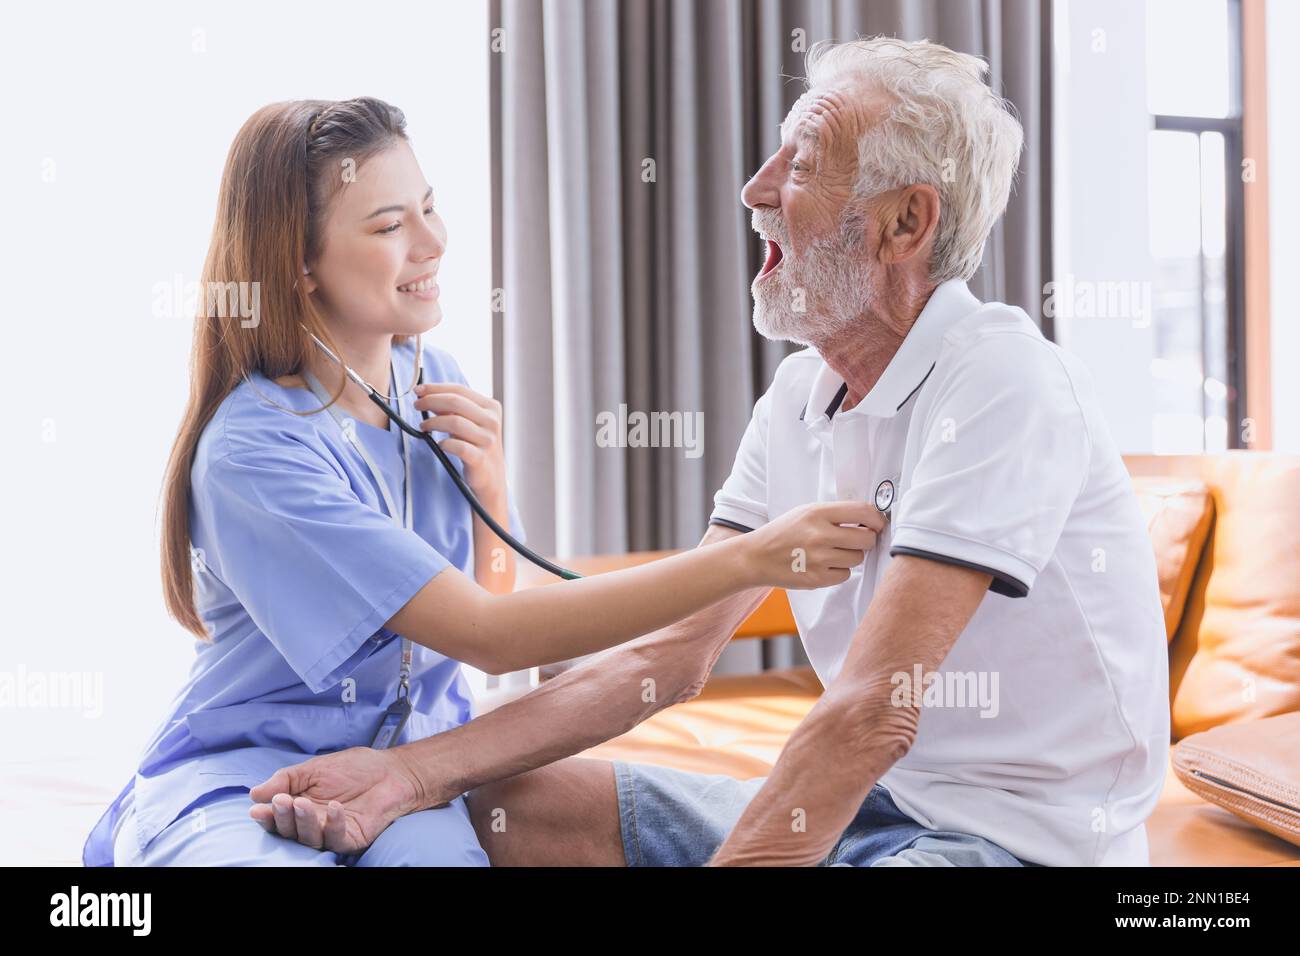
[285,166]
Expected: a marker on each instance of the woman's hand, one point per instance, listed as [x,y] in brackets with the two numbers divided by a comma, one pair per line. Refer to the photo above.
[473,425]
[340,801]
[810,547]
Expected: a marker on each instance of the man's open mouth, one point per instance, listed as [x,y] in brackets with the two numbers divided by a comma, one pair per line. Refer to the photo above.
[773,257]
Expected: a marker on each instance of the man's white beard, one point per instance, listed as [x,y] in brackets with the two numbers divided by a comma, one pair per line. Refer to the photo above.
[836,285]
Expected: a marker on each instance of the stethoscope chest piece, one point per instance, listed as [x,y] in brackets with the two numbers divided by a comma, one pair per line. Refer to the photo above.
[884,499]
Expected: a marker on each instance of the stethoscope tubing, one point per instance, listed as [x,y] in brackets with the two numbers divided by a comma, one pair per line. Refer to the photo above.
[477,506]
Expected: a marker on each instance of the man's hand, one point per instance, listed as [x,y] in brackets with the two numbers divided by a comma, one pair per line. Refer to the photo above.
[340,801]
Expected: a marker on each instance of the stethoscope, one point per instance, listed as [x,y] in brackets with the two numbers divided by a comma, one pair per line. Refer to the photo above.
[477,506]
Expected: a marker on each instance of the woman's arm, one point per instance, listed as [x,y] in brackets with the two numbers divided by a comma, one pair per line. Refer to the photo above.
[473,425]
[806,548]
[349,797]
[494,561]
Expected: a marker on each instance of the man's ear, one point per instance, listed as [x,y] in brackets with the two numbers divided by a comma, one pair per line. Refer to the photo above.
[910,217]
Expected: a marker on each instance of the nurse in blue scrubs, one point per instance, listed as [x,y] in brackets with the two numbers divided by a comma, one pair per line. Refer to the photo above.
[327,564]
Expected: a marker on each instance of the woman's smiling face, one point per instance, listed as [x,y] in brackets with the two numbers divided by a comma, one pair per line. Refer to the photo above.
[381,247]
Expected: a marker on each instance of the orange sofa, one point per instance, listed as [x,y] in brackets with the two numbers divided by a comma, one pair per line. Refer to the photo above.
[1226,532]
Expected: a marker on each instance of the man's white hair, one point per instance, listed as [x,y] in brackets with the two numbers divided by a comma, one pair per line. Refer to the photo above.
[945,127]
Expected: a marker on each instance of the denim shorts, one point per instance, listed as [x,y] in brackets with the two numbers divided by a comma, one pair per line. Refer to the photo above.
[678,818]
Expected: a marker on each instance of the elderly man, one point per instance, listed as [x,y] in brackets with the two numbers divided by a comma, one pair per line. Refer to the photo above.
[1013,561]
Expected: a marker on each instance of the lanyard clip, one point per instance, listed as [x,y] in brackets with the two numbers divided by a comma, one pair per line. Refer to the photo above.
[391,724]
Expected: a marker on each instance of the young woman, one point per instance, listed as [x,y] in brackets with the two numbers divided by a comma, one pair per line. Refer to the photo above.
[326,561]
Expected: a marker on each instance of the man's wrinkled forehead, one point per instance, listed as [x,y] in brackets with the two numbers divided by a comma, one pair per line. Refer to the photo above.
[823,112]
[805,119]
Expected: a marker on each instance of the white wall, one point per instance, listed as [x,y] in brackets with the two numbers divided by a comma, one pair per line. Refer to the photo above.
[1100,228]
[116,126]
[1282,18]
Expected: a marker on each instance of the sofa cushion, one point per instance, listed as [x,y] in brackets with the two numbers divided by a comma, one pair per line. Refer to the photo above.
[1184,830]
[1236,655]
[739,724]
[736,726]
[1250,769]
[1178,513]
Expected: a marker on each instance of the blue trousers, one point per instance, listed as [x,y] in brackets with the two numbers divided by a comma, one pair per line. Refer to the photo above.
[217,831]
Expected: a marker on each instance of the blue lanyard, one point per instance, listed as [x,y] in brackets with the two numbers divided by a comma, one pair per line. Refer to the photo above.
[395,717]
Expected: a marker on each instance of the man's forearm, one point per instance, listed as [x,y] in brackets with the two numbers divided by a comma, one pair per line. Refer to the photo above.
[857,730]
[829,765]
[594,702]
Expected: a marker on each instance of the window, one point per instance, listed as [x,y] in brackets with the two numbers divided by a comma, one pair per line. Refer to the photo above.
[1194,183]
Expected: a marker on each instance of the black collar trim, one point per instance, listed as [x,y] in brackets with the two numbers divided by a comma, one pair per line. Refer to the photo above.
[835,404]
[913,391]
[838,400]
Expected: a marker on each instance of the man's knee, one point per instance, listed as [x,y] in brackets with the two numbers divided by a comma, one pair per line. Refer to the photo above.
[563,814]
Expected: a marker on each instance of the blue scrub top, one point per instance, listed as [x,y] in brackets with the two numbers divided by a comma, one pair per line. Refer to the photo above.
[297,567]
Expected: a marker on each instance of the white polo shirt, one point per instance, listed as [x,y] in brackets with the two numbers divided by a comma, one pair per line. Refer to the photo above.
[998,459]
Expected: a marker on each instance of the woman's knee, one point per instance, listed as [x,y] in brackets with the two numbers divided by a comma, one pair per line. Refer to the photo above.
[218,831]
[442,837]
